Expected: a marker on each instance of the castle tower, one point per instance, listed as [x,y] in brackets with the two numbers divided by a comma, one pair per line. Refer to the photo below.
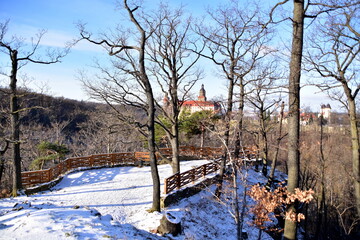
[325,111]
[202,94]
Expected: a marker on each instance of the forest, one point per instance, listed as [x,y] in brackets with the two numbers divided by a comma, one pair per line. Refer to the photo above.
[159,56]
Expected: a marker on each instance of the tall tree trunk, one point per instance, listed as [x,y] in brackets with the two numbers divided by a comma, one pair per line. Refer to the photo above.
[202,140]
[174,140]
[294,111]
[320,227]
[2,160]
[15,125]
[152,150]
[236,201]
[175,163]
[151,114]
[355,152]
[278,140]
[239,136]
[355,147]
[226,135]
[264,143]
[151,143]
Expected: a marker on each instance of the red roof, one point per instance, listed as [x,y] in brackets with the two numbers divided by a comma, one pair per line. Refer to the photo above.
[198,103]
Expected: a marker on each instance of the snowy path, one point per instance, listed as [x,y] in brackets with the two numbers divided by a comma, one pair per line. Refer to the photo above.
[69,210]
[111,203]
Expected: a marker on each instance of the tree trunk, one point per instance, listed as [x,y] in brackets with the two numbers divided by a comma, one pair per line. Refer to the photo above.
[278,140]
[236,202]
[151,116]
[355,152]
[239,136]
[2,160]
[174,140]
[202,140]
[263,141]
[294,113]
[15,126]
[152,149]
[175,163]
[226,135]
[355,147]
[320,227]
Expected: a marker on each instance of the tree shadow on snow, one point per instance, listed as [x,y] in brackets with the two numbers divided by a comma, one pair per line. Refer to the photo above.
[92,176]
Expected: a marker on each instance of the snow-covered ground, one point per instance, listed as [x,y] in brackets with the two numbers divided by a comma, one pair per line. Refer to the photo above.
[111,203]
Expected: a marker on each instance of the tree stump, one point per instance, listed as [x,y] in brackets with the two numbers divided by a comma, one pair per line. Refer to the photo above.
[169,224]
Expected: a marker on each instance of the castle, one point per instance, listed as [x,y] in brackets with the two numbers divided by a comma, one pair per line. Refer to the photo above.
[196,106]
[325,111]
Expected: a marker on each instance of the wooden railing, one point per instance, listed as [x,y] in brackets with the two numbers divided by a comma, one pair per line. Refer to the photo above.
[42,176]
[31,178]
[178,180]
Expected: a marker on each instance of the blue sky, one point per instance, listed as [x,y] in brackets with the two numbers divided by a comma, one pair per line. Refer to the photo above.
[59,18]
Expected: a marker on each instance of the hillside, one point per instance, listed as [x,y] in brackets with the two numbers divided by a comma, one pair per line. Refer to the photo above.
[111,203]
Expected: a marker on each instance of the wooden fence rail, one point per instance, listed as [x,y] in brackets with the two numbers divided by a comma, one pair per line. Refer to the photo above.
[178,180]
[31,178]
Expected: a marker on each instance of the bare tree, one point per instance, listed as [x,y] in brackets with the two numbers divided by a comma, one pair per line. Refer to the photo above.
[235,42]
[126,86]
[173,67]
[334,56]
[302,9]
[264,100]
[19,55]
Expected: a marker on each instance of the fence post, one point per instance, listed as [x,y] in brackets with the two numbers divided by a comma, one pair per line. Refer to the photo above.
[68,164]
[50,175]
[91,160]
[204,170]
[178,182]
[192,175]
[165,186]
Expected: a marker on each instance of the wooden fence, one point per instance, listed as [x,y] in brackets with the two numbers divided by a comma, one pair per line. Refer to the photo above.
[31,178]
[179,180]
[42,176]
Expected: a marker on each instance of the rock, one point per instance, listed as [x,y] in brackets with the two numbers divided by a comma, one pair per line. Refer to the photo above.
[20,206]
[169,224]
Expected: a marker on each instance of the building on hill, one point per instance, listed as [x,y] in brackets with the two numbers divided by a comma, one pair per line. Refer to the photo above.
[198,105]
[201,104]
[325,111]
[307,118]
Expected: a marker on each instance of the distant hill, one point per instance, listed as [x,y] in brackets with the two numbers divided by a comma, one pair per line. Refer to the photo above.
[46,110]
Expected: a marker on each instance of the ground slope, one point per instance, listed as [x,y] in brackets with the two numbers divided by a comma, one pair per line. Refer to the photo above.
[111,203]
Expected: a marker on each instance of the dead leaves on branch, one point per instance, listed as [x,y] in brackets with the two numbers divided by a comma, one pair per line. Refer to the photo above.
[272,203]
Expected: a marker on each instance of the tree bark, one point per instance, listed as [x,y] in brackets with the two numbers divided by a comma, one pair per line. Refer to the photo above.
[15,125]
[355,152]
[175,163]
[264,141]
[241,117]
[151,125]
[174,141]
[320,226]
[227,130]
[278,140]
[294,110]
[2,160]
